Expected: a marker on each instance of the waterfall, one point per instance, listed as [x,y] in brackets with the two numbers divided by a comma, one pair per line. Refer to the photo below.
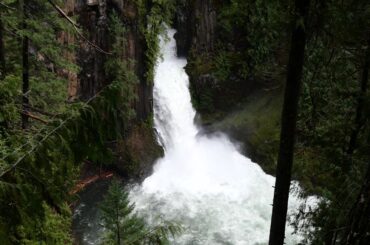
[202,182]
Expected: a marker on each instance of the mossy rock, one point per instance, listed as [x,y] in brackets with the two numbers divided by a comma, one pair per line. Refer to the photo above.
[256,124]
[138,152]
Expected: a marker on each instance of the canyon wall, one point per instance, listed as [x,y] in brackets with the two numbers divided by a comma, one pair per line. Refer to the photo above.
[224,58]
[92,17]
[91,54]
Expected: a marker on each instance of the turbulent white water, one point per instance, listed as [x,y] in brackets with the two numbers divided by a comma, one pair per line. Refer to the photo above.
[219,195]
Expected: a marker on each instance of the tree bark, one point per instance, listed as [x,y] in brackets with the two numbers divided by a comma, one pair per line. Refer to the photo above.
[25,70]
[358,222]
[118,225]
[359,118]
[358,225]
[288,124]
[2,50]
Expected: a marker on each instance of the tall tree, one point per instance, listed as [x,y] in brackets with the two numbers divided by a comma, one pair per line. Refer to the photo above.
[2,50]
[359,118]
[25,68]
[288,124]
[124,226]
[357,228]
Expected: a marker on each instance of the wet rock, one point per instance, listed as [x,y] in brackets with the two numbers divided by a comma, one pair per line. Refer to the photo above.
[93,20]
[137,153]
[195,22]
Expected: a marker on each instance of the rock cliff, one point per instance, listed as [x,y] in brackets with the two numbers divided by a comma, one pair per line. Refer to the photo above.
[92,52]
[92,17]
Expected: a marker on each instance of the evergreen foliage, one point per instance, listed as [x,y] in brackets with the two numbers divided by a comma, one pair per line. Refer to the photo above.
[252,27]
[125,227]
[336,58]
[119,72]
[40,165]
[37,167]
[246,53]
[47,166]
[332,156]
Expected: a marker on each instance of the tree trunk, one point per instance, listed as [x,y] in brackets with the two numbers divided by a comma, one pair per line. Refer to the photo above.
[359,118]
[288,125]
[25,71]
[118,234]
[118,225]
[2,51]
[358,223]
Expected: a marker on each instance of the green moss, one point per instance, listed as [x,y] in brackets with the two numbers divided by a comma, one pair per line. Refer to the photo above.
[203,102]
[153,23]
[199,65]
[257,124]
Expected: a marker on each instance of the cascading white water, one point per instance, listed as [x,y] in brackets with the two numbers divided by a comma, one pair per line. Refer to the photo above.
[204,183]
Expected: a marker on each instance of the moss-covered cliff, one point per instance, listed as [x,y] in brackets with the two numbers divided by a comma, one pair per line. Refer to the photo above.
[94,19]
[235,74]
[139,145]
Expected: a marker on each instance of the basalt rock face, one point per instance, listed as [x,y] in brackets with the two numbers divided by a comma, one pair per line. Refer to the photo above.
[200,38]
[195,22]
[91,55]
[204,30]
[93,19]
[182,24]
[137,151]
[245,108]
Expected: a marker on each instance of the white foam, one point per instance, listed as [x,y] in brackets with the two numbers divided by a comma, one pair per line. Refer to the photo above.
[219,195]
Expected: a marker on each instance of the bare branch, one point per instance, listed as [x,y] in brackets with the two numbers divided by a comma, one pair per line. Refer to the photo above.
[7,6]
[26,113]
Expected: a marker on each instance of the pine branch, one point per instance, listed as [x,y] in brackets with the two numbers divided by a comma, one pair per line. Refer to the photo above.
[169,229]
[14,165]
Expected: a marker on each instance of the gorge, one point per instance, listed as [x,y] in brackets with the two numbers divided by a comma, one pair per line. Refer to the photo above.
[202,183]
[189,109]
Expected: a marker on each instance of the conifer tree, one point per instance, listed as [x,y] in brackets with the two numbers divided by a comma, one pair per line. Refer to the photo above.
[2,49]
[126,227]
